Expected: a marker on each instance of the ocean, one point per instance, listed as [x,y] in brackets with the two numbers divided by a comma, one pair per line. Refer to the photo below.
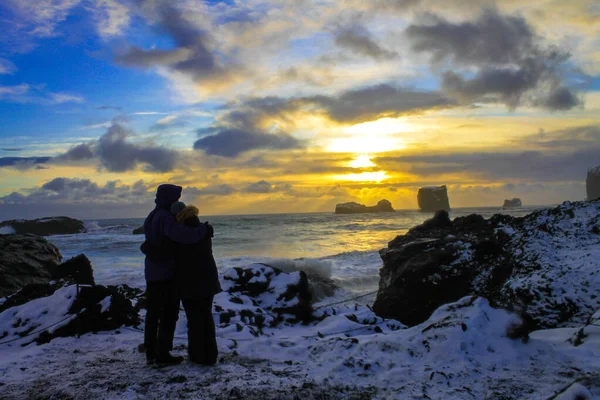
[342,247]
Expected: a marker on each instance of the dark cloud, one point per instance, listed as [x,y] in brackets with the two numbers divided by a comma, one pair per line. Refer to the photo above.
[72,191]
[117,154]
[359,40]
[231,142]
[80,152]
[376,102]
[114,108]
[511,65]
[214,190]
[23,162]
[192,56]
[266,187]
[12,149]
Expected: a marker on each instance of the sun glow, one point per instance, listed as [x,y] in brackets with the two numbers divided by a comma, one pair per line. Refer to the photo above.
[372,136]
[362,161]
[376,176]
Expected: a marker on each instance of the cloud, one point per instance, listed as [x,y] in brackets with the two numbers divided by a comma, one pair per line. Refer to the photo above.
[511,65]
[112,18]
[553,157]
[266,187]
[117,154]
[22,163]
[231,142]
[215,190]
[384,100]
[360,41]
[168,122]
[12,149]
[106,107]
[6,67]
[25,93]
[81,191]
[193,55]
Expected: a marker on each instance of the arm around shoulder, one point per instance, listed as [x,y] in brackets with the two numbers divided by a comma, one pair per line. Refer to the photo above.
[183,234]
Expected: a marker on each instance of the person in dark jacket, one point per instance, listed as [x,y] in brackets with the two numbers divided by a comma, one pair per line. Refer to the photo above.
[162,230]
[197,280]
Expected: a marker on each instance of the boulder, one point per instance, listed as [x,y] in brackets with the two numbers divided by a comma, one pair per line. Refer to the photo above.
[25,259]
[263,296]
[592,183]
[45,226]
[433,198]
[524,264]
[77,269]
[512,203]
[138,231]
[58,311]
[355,208]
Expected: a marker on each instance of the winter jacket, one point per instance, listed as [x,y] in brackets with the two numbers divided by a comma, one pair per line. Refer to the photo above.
[160,227]
[196,273]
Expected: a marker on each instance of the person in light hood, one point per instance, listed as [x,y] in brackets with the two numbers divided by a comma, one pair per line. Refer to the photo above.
[162,230]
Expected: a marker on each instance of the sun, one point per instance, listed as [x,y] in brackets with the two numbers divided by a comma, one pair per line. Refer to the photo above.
[362,161]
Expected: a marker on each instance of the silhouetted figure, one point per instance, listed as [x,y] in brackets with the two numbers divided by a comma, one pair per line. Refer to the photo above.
[162,230]
[198,282]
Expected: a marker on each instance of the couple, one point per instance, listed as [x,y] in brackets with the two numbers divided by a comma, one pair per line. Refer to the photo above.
[179,266]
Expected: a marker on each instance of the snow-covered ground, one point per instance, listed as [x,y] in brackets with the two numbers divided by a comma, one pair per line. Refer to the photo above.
[461,352]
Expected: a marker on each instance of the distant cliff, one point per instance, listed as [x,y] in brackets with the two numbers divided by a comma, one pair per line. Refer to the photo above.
[593,183]
[516,202]
[355,208]
[433,198]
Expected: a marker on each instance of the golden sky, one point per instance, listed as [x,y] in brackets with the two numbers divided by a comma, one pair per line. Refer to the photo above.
[277,106]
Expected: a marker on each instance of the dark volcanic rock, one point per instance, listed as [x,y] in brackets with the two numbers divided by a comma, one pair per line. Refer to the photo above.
[77,269]
[593,183]
[355,208]
[97,308]
[512,203]
[138,231]
[25,259]
[261,295]
[46,226]
[433,198]
[543,265]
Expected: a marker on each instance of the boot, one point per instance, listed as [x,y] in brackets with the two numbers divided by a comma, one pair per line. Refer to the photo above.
[167,358]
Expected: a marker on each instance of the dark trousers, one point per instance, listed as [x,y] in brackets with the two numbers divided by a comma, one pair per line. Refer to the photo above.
[202,340]
[162,313]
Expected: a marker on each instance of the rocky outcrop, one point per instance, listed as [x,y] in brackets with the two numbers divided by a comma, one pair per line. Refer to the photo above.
[261,295]
[512,203]
[138,231]
[433,198]
[355,208]
[25,259]
[545,265]
[42,312]
[45,226]
[592,183]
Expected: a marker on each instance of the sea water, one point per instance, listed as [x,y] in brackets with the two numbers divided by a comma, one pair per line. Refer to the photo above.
[343,247]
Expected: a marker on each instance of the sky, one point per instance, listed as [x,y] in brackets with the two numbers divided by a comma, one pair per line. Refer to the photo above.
[276,106]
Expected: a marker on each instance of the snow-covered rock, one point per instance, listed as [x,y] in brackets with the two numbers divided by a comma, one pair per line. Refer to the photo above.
[546,264]
[433,198]
[592,183]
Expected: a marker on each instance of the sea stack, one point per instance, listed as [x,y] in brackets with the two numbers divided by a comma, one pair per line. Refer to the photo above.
[512,203]
[355,208]
[433,198]
[593,183]
[45,226]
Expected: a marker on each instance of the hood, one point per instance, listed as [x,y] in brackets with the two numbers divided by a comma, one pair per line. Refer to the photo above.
[167,194]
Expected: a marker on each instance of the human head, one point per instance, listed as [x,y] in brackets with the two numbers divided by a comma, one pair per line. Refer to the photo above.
[167,194]
[177,207]
[188,211]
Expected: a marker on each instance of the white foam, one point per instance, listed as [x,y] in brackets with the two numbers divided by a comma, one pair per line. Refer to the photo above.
[7,230]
